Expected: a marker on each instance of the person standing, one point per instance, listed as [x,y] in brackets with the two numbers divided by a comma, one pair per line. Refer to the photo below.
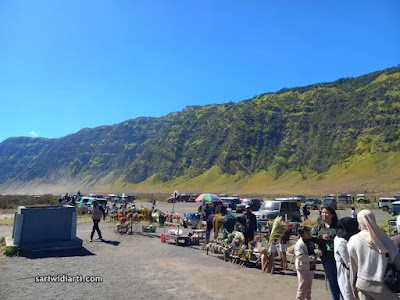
[347,227]
[306,212]
[98,212]
[305,263]
[370,250]
[353,213]
[323,235]
[250,225]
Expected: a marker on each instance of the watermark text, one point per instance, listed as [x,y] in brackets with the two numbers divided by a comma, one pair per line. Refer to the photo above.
[64,278]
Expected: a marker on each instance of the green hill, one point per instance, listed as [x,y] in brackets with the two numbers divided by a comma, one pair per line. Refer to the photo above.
[328,137]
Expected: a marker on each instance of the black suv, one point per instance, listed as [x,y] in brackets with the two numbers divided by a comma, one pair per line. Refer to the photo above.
[254,203]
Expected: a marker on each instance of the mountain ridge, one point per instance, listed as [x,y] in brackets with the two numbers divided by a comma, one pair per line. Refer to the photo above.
[304,130]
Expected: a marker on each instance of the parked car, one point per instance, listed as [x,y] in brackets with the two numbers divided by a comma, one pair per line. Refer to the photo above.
[179,198]
[361,199]
[193,197]
[386,203]
[184,197]
[102,201]
[223,195]
[329,200]
[230,202]
[288,209]
[83,201]
[396,208]
[345,198]
[171,199]
[313,203]
[254,203]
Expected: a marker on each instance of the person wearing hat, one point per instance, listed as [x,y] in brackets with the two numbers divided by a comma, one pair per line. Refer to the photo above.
[305,263]
[250,225]
[98,212]
[346,228]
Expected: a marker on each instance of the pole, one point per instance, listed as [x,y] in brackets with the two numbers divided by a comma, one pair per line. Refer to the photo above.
[173,205]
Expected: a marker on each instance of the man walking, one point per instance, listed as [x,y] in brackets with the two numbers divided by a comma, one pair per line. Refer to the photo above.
[98,212]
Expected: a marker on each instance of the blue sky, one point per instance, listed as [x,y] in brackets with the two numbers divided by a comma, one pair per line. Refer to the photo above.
[66,65]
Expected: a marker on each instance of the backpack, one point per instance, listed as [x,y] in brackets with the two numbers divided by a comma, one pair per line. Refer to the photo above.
[392,278]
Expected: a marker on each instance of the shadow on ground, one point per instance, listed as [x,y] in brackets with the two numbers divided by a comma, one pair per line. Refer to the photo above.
[57,253]
[114,243]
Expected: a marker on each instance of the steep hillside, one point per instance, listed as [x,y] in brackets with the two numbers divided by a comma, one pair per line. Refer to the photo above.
[326,136]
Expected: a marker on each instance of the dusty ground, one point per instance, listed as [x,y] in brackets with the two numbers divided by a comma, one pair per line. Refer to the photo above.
[140,267]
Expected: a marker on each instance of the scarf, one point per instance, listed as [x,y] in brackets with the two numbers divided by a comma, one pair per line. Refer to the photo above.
[371,233]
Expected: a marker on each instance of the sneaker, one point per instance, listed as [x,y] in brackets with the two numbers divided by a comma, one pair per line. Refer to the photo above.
[90,240]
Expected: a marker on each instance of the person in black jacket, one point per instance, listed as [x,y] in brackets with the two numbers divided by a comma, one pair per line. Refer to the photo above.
[323,235]
[250,225]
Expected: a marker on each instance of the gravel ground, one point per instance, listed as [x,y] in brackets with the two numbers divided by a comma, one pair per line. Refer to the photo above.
[140,267]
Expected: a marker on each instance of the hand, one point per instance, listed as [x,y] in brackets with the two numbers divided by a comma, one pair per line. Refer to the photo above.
[355,294]
[326,237]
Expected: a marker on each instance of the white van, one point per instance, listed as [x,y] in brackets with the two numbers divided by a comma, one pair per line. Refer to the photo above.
[386,203]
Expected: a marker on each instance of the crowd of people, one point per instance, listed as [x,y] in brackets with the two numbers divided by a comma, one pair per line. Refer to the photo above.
[355,256]
[354,251]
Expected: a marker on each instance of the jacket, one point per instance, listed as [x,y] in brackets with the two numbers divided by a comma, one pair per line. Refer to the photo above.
[250,222]
[98,212]
[317,233]
[368,266]
[303,259]
[343,268]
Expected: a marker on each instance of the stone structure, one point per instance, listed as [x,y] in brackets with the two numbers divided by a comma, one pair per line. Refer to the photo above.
[45,228]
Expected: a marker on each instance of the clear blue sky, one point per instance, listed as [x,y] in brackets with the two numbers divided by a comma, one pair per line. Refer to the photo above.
[70,64]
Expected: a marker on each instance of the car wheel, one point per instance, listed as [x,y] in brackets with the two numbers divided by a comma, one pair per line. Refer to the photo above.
[385,208]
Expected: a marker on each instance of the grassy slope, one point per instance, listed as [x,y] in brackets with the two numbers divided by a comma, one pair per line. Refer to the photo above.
[377,173]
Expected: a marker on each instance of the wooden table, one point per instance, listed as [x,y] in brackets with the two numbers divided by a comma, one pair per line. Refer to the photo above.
[183,239]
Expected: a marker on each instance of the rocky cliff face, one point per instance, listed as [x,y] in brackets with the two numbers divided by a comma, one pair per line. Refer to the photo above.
[307,129]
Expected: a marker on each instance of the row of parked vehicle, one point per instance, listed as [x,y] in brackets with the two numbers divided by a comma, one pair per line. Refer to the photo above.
[183,198]
[287,208]
[84,202]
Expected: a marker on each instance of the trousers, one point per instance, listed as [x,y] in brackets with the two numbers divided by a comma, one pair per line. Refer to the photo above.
[96,228]
[305,279]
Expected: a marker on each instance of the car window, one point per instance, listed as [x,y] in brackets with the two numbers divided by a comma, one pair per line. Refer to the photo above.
[285,207]
[270,205]
[294,206]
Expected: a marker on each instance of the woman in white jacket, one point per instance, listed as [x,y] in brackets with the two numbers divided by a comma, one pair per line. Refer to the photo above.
[370,250]
[305,263]
[347,227]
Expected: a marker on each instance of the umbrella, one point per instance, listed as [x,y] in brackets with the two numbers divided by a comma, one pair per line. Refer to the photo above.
[208,198]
